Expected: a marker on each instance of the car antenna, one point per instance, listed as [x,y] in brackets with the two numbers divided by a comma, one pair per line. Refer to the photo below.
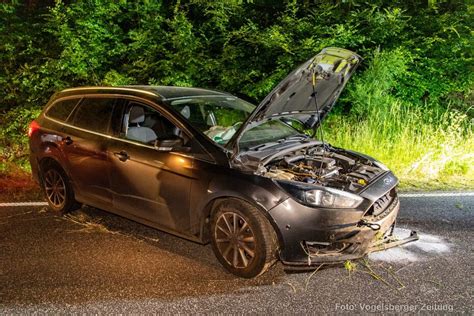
[318,111]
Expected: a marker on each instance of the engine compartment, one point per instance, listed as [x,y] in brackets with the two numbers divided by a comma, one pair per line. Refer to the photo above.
[323,166]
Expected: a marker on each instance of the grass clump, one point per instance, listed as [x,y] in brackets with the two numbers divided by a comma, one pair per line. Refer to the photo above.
[350,266]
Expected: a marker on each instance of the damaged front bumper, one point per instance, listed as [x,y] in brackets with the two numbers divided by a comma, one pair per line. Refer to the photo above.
[311,236]
[391,242]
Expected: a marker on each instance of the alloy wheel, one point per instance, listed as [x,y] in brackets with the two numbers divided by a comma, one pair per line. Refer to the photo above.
[235,240]
[55,188]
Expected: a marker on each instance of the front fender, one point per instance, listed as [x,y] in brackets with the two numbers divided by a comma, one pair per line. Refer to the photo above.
[258,191]
[251,188]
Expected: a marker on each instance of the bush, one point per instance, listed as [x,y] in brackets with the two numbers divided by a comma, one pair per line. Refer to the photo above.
[13,136]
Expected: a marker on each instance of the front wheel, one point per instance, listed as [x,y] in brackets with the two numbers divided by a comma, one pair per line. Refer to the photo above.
[242,238]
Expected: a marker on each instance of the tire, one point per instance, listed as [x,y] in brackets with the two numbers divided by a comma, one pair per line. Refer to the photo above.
[249,250]
[57,189]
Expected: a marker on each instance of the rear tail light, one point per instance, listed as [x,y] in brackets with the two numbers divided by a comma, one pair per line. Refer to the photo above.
[34,126]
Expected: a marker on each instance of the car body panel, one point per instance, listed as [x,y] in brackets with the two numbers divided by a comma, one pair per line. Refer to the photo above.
[87,163]
[214,182]
[322,77]
[385,183]
[151,184]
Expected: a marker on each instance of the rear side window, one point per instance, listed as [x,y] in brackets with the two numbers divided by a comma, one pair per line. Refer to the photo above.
[61,109]
[94,114]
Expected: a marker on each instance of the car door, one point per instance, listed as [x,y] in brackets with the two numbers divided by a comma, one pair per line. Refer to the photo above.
[147,181]
[85,148]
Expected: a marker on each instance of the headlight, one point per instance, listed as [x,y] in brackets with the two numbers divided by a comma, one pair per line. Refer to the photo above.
[323,197]
[332,198]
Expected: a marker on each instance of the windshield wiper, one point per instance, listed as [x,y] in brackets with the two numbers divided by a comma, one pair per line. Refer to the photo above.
[297,136]
[265,145]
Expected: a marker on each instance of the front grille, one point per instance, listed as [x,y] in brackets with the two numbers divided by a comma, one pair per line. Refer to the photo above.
[382,203]
[388,210]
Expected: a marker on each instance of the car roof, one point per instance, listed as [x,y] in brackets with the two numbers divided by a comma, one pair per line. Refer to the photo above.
[164,92]
[170,92]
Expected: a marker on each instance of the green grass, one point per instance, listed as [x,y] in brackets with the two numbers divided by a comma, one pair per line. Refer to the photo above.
[428,144]
[426,150]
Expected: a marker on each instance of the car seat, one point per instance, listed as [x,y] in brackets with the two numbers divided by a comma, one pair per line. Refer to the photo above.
[135,131]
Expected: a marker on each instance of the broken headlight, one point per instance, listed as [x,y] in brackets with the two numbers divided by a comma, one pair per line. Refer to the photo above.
[321,196]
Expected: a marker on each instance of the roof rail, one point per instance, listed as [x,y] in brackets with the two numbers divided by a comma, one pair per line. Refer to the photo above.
[110,88]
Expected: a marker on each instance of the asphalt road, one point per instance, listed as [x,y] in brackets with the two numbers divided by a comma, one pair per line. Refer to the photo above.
[94,262]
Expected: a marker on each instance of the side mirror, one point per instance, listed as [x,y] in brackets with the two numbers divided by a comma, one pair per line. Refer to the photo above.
[176,145]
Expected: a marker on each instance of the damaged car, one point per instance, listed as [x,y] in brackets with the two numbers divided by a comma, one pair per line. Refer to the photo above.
[212,168]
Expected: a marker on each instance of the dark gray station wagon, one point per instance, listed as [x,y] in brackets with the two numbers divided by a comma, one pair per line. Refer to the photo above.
[210,167]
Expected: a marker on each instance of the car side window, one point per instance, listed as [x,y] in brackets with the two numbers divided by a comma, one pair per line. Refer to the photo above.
[146,125]
[94,114]
[60,110]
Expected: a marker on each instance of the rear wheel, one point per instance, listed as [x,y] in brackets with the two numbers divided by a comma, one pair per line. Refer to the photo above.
[242,238]
[58,190]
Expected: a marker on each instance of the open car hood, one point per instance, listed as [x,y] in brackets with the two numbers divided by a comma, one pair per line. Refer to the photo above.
[309,92]
[323,76]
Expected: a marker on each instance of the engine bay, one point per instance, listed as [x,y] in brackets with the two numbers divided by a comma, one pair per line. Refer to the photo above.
[323,166]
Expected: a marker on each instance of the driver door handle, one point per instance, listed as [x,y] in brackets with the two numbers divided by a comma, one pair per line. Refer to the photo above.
[122,155]
[67,140]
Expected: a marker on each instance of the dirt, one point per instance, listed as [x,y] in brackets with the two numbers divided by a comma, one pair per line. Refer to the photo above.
[19,186]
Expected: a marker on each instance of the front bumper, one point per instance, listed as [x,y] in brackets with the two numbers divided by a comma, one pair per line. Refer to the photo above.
[310,236]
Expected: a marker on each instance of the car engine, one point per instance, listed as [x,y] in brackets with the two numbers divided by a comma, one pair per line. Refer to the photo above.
[323,166]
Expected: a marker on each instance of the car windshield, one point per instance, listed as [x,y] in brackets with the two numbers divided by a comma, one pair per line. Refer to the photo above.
[265,133]
[219,118]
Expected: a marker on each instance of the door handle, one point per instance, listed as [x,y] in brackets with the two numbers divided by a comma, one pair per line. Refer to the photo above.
[122,155]
[67,140]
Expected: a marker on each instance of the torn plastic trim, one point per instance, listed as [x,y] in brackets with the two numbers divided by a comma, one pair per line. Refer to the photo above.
[336,258]
[391,243]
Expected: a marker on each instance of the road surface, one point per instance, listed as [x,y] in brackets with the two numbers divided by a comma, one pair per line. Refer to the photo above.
[91,261]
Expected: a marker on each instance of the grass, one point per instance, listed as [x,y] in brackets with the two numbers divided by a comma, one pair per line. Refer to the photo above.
[91,222]
[426,150]
[364,266]
[88,223]
[428,144]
